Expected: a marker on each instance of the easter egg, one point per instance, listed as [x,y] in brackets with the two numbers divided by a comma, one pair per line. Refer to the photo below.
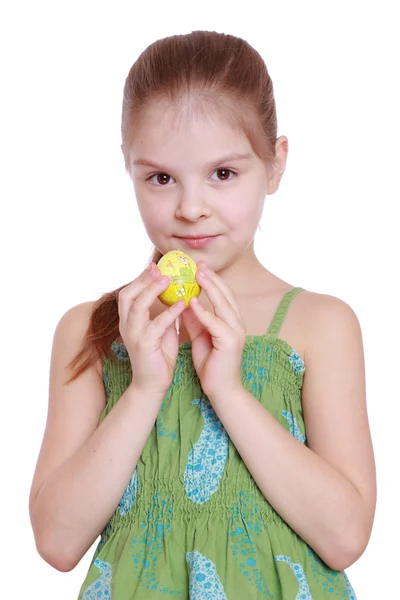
[181,270]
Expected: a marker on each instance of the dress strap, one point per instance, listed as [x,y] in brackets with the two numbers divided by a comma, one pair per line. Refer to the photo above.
[282,310]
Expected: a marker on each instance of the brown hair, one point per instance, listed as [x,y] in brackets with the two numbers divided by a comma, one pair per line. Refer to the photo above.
[208,71]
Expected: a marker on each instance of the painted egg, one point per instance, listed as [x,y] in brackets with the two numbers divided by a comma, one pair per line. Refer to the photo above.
[181,269]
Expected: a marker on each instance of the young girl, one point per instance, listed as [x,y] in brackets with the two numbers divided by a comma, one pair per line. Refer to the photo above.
[231,460]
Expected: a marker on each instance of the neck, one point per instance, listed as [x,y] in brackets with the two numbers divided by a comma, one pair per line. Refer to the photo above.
[245,274]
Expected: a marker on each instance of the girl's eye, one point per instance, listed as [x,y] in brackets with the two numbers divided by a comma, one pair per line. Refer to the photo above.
[225,172]
[162,178]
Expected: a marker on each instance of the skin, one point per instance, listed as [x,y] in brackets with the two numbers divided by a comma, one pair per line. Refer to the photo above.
[333,509]
[325,491]
[196,199]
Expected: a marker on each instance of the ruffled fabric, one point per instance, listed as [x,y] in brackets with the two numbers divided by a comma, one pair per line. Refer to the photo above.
[192,522]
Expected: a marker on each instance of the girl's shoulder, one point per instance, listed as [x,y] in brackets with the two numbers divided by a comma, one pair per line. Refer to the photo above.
[317,308]
[326,321]
[312,320]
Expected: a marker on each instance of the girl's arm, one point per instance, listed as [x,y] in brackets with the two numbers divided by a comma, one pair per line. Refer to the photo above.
[83,469]
[326,492]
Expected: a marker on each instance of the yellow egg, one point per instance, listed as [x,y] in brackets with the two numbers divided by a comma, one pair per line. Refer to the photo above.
[181,269]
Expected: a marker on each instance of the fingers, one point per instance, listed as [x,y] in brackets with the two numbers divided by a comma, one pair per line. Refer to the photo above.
[220,297]
[194,327]
[130,292]
[166,318]
[220,284]
[208,321]
[139,314]
[135,300]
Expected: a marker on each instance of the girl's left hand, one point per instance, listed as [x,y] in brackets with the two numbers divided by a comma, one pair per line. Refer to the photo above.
[217,339]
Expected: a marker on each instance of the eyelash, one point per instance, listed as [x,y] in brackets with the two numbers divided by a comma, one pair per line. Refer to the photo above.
[219,169]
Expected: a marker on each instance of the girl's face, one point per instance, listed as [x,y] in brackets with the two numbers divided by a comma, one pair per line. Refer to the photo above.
[191,188]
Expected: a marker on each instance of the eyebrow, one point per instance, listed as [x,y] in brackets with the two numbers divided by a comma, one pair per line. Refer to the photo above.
[230,158]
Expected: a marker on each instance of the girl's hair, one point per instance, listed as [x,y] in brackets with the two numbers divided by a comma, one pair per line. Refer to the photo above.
[206,71]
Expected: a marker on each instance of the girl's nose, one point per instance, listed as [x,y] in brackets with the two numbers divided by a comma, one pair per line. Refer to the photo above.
[192,207]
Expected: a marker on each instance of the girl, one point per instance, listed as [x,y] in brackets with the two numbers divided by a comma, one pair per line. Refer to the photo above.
[231,460]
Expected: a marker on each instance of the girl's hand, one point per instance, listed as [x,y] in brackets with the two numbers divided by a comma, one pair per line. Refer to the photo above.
[152,346]
[217,339]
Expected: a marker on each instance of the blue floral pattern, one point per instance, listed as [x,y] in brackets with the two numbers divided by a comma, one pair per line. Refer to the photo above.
[129,496]
[294,426]
[101,588]
[204,582]
[206,461]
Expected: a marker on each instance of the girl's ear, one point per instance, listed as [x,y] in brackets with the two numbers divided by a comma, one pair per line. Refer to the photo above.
[278,168]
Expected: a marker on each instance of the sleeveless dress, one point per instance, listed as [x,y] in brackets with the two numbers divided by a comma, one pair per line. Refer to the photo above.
[192,523]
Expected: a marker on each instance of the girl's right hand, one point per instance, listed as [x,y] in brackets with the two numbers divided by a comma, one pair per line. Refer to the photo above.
[152,346]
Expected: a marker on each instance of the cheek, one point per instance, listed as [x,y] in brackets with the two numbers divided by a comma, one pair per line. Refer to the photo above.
[153,211]
[241,212]
[155,219]
[159,225]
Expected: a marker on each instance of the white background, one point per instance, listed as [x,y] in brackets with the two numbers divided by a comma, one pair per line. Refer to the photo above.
[71,230]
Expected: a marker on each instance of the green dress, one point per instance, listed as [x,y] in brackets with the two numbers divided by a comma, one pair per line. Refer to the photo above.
[192,523]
